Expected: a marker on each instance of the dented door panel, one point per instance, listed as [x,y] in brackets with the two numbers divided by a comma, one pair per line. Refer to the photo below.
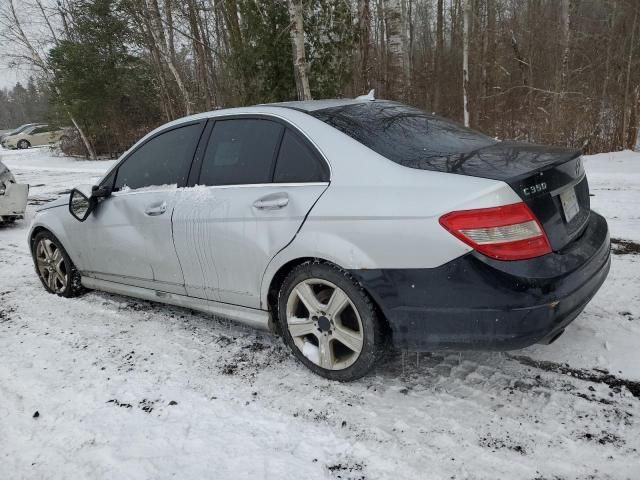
[225,236]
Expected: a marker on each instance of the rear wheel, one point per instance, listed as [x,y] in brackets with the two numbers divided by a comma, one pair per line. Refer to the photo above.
[23,144]
[55,269]
[329,321]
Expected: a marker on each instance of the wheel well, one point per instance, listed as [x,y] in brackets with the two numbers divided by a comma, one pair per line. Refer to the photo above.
[278,278]
[35,232]
[281,274]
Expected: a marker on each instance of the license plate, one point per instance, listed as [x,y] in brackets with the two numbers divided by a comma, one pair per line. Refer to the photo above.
[570,204]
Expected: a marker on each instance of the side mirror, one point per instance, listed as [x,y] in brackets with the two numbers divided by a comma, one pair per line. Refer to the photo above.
[80,205]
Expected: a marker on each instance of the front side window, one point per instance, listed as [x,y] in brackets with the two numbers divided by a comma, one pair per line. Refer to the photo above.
[163,160]
[240,152]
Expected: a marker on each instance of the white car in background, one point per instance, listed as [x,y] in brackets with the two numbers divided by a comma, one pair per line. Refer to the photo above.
[35,136]
[13,197]
[15,131]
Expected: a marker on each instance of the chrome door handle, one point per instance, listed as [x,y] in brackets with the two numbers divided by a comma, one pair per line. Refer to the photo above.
[272,201]
[155,210]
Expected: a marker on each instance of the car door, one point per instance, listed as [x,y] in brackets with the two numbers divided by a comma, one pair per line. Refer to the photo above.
[38,136]
[128,237]
[257,181]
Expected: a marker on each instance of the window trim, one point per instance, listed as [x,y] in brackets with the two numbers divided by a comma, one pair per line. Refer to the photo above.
[116,169]
[194,176]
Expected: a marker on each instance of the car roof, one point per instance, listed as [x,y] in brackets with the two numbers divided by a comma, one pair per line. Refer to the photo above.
[293,109]
[313,105]
[304,106]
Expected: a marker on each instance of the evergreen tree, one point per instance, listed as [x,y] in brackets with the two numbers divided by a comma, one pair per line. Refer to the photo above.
[260,56]
[106,88]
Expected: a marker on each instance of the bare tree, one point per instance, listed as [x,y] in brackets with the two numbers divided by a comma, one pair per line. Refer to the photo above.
[364,28]
[395,70]
[465,59]
[625,109]
[562,71]
[405,26]
[12,30]
[297,43]
[439,54]
[149,11]
[567,11]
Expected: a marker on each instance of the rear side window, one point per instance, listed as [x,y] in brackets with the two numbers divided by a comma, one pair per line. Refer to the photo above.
[297,162]
[240,152]
[163,160]
[403,134]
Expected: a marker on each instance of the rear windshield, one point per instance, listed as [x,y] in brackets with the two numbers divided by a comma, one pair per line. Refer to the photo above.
[403,134]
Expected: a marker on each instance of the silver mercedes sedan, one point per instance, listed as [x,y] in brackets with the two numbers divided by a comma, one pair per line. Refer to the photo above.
[347,226]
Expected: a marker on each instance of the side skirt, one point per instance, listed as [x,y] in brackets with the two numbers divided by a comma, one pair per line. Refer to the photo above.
[248,316]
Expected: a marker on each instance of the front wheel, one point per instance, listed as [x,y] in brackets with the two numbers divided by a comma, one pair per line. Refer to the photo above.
[55,269]
[22,144]
[329,321]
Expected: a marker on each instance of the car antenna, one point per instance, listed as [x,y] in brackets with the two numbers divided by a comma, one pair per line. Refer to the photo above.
[369,96]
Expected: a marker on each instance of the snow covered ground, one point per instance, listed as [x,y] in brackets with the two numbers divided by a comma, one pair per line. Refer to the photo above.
[132,390]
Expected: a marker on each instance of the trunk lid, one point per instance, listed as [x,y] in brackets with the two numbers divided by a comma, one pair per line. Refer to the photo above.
[550,180]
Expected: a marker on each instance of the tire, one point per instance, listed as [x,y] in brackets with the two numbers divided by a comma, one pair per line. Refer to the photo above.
[55,269]
[22,144]
[342,312]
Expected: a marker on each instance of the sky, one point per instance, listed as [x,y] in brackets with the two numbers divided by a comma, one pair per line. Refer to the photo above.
[9,76]
[32,25]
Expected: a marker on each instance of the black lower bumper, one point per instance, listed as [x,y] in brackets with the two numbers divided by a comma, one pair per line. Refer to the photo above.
[477,303]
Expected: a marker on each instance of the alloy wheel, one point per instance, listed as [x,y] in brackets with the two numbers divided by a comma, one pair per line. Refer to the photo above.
[324,324]
[51,266]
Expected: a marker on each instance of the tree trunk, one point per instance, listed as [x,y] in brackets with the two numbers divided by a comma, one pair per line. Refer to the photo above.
[465,59]
[567,10]
[488,58]
[157,39]
[87,144]
[297,42]
[406,61]
[598,116]
[633,132]
[168,10]
[437,70]
[363,41]
[625,108]
[395,50]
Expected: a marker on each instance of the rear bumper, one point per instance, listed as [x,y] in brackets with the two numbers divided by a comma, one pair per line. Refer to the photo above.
[477,303]
[14,201]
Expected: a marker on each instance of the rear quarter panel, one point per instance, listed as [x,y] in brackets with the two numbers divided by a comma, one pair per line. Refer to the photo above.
[378,214]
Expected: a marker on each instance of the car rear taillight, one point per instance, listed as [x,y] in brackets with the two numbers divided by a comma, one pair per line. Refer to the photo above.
[510,232]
